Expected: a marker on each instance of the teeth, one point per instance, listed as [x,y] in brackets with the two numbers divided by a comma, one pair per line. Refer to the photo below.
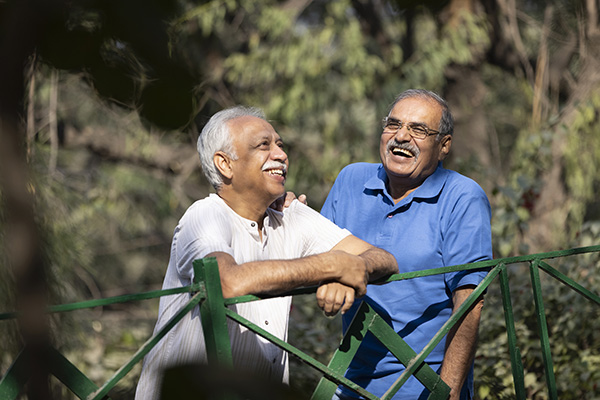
[276,172]
[402,152]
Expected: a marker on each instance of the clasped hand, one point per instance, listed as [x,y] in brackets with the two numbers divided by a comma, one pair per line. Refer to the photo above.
[338,296]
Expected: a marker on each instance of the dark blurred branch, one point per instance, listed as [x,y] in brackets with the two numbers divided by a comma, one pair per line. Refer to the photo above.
[53,121]
[108,146]
[370,16]
[510,26]
[23,22]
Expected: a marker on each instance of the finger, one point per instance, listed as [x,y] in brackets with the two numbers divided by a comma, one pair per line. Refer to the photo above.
[321,294]
[302,199]
[329,303]
[289,197]
[338,302]
[348,301]
[361,290]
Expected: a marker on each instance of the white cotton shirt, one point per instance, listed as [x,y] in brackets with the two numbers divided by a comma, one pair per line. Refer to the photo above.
[209,226]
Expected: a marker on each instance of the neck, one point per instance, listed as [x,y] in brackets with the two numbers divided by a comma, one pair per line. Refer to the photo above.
[400,189]
[247,206]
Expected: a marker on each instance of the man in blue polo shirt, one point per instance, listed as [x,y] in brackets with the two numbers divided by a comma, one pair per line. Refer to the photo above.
[427,217]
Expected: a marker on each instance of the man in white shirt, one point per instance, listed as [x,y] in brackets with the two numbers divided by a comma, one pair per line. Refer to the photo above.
[258,249]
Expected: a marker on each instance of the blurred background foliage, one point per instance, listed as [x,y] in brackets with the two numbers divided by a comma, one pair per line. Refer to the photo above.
[116,92]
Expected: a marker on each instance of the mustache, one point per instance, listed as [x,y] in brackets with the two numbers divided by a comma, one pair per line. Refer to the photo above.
[270,164]
[403,145]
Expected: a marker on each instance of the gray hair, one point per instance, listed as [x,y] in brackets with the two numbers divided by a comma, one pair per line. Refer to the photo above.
[446,125]
[215,136]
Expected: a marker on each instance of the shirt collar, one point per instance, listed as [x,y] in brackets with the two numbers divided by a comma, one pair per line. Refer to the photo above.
[430,188]
[249,224]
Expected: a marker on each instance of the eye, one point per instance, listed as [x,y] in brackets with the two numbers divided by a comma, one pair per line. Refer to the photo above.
[419,129]
[392,124]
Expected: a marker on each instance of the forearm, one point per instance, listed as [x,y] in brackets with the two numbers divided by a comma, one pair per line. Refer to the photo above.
[461,345]
[379,263]
[277,276]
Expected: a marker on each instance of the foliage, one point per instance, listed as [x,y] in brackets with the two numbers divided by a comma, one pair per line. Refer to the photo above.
[325,72]
[582,160]
[571,319]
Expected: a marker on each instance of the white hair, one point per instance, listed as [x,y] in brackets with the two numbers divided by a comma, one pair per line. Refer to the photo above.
[215,136]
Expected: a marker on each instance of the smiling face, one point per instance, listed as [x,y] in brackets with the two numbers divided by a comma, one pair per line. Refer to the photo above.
[409,161]
[261,167]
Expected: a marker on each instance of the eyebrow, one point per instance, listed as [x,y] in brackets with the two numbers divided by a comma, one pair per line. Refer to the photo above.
[411,122]
[267,137]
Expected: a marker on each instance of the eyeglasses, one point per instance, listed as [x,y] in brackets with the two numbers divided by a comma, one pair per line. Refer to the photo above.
[415,129]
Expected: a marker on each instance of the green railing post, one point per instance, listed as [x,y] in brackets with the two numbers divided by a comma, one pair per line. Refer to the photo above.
[212,312]
[543,326]
[513,348]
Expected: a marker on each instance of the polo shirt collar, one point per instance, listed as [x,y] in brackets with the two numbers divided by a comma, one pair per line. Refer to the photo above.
[430,188]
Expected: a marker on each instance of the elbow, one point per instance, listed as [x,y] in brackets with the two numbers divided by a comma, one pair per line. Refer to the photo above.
[230,287]
[392,264]
[394,268]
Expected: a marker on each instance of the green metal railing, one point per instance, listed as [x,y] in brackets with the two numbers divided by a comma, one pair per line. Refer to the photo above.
[206,293]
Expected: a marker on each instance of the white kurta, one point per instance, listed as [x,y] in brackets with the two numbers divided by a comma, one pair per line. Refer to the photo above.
[208,226]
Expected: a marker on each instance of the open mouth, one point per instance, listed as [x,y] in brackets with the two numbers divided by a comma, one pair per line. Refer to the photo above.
[402,152]
[276,171]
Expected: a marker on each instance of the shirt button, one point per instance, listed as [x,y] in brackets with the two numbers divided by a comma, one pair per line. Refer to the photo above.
[253,224]
[266,322]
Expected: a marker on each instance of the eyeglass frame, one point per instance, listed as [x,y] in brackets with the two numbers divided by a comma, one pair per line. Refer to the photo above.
[409,127]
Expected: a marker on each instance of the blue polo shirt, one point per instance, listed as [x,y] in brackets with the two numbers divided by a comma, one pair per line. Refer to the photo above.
[444,222]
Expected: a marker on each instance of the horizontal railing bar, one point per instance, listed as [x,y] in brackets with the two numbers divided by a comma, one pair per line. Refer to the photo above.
[494,262]
[109,300]
[307,290]
[437,271]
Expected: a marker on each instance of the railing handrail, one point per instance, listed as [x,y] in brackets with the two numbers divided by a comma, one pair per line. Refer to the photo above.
[497,266]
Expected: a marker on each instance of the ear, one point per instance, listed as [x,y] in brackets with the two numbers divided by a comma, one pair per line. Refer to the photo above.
[223,164]
[445,145]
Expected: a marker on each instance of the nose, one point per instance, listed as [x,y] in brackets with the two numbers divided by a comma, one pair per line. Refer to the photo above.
[402,134]
[278,154]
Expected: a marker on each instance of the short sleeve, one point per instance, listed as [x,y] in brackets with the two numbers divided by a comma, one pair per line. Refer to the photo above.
[317,233]
[467,236]
[201,231]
